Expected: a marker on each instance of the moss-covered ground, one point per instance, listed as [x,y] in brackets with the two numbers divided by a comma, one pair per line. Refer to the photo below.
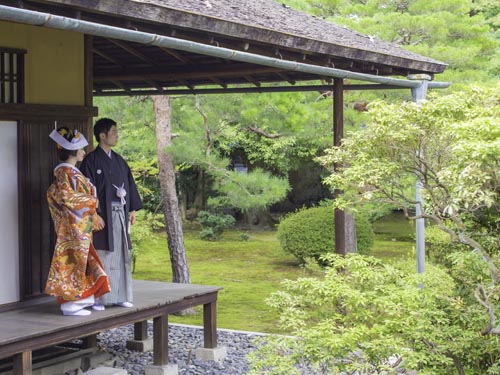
[249,271]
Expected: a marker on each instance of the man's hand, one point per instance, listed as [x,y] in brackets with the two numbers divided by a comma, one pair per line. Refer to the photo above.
[98,223]
[131,217]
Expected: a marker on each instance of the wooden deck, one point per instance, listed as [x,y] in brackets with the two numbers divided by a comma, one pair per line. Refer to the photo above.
[26,329]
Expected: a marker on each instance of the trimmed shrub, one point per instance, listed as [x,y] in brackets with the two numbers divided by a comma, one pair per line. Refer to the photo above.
[213,225]
[310,233]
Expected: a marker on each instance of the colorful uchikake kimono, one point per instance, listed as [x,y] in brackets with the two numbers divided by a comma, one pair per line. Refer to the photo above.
[76,271]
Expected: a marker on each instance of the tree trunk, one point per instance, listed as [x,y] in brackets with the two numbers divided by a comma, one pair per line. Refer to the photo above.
[173,222]
[199,197]
[183,206]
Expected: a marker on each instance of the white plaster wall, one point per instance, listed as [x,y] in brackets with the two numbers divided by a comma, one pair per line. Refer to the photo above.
[9,238]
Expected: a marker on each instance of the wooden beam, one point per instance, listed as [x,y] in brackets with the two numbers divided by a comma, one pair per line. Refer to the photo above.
[176,55]
[211,71]
[132,51]
[155,84]
[88,70]
[120,85]
[45,111]
[219,82]
[287,78]
[107,57]
[185,83]
[160,340]
[338,134]
[246,90]
[252,80]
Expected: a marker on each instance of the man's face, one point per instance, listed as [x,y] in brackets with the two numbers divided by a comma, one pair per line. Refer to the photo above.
[110,139]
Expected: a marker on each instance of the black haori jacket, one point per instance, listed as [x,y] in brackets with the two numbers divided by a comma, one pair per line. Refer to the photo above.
[103,172]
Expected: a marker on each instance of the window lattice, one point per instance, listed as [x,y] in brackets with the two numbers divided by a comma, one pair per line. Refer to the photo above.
[11,76]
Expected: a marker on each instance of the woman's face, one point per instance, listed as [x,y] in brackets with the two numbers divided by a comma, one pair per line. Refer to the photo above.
[80,154]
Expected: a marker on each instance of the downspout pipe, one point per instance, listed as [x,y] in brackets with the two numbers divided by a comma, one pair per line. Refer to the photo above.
[419,95]
[64,23]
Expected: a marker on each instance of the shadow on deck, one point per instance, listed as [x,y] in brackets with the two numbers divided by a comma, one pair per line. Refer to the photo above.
[24,330]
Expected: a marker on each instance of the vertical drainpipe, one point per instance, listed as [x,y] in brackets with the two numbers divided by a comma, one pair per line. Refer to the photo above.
[338,134]
[419,94]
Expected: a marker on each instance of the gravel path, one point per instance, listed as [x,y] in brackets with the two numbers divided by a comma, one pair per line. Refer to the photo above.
[183,340]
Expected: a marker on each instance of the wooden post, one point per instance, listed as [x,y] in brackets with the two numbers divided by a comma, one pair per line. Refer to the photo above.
[210,325]
[22,364]
[338,134]
[141,330]
[90,342]
[88,83]
[160,340]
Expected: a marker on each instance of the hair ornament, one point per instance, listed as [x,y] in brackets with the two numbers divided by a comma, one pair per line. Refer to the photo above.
[77,142]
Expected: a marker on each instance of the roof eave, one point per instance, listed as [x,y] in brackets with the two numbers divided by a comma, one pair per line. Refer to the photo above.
[164,16]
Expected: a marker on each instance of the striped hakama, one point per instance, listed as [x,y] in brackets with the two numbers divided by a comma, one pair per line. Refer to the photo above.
[117,263]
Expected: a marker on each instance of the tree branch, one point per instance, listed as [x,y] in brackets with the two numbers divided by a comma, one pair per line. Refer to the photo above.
[261,132]
[482,298]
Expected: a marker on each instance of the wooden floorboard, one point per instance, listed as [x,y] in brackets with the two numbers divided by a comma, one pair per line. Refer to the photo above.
[42,325]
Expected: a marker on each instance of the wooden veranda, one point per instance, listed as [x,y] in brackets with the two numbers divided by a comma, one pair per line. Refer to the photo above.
[26,329]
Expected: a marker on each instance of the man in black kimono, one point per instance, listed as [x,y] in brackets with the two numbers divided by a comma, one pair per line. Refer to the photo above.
[118,201]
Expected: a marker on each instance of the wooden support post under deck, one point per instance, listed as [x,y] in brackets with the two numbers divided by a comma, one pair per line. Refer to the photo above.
[90,342]
[210,325]
[338,134]
[160,340]
[22,363]
[141,330]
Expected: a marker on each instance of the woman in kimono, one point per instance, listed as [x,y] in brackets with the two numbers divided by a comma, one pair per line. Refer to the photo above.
[76,275]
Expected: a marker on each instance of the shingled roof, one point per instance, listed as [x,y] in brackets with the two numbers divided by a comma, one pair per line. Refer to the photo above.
[242,18]
[262,27]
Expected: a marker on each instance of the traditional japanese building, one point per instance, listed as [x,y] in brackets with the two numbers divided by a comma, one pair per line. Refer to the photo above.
[55,55]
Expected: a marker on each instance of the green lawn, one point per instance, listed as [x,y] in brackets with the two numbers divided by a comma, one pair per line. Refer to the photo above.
[248,270]
[394,237]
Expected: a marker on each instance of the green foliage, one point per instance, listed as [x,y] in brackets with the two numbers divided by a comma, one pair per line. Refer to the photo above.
[214,224]
[256,190]
[244,236]
[363,314]
[450,143]
[211,149]
[137,143]
[491,11]
[438,245]
[310,233]
[467,268]
[142,230]
[458,32]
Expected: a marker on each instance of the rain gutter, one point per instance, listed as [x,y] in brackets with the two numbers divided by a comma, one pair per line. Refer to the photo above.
[64,23]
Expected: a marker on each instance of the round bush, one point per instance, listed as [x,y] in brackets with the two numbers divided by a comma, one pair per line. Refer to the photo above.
[310,232]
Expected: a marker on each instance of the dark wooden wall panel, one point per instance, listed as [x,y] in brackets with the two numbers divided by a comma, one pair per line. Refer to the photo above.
[37,157]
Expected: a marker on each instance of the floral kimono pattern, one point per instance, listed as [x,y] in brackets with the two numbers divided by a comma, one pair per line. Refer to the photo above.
[76,271]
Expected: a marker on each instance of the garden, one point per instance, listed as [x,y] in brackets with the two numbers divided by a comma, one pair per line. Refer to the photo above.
[250,270]
[256,187]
